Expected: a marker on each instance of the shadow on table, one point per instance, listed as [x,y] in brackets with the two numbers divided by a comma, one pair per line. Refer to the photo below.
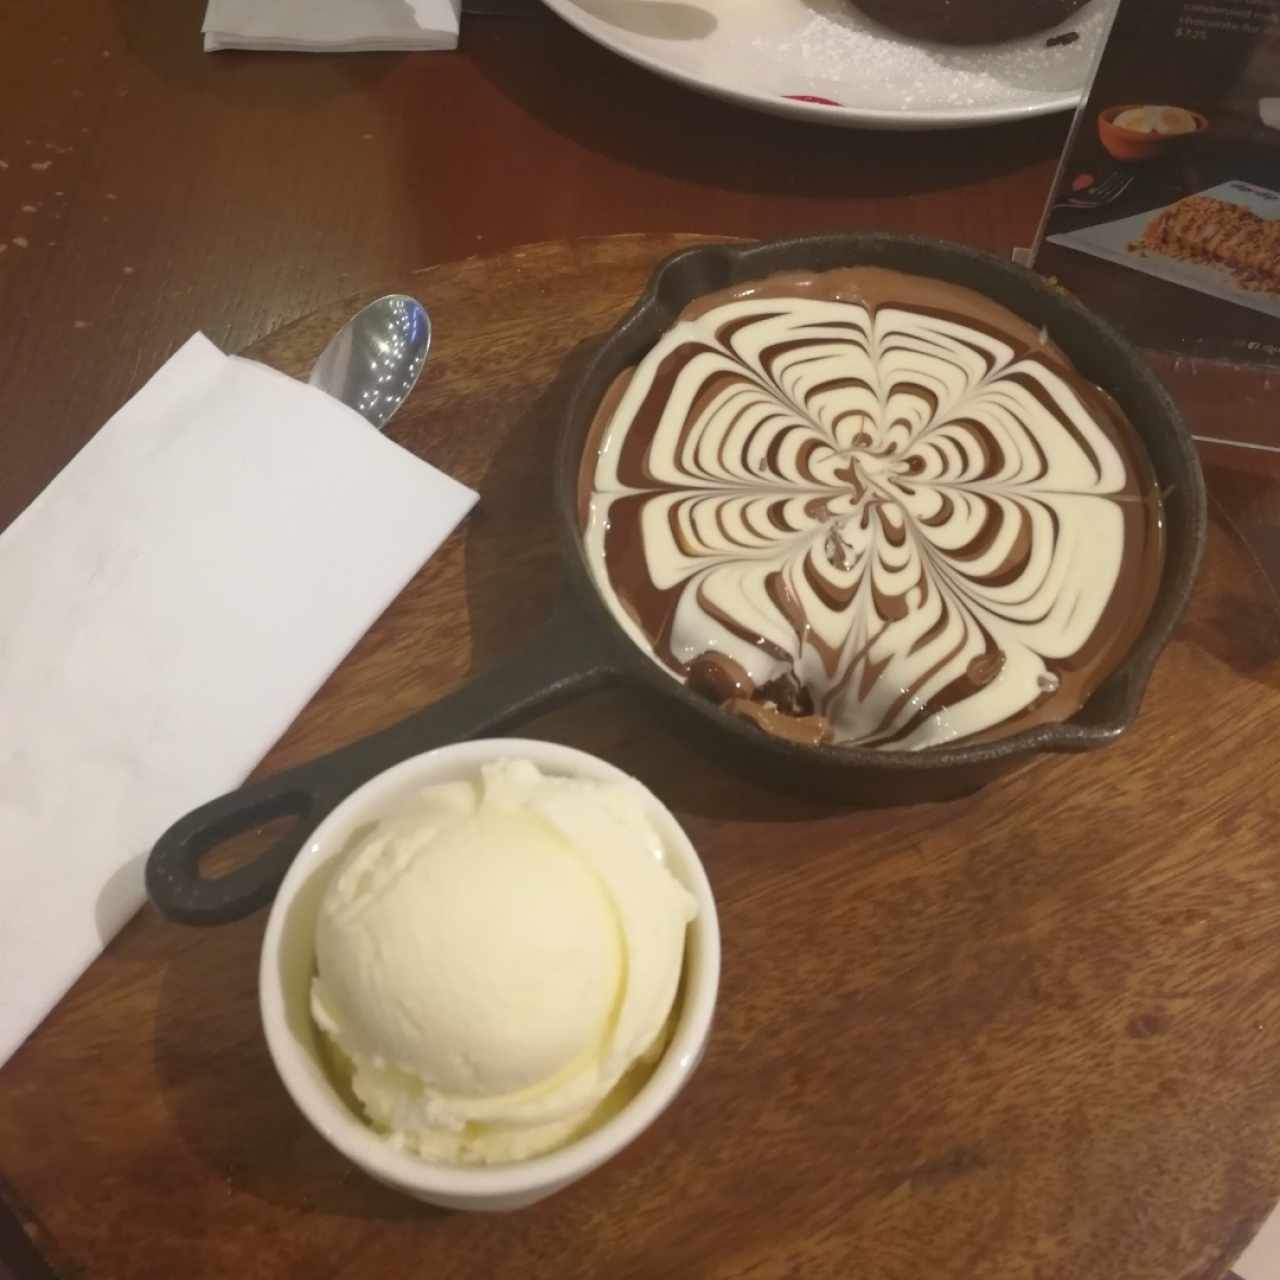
[118,898]
[638,119]
[1237,622]
[225,1100]
[513,558]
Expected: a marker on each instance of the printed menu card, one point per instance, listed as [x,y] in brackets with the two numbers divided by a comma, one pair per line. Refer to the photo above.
[1165,216]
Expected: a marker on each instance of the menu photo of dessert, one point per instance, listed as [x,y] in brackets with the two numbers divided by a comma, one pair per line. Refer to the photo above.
[1224,242]
[1166,211]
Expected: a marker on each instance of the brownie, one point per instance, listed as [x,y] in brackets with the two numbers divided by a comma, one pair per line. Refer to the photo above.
[968,21]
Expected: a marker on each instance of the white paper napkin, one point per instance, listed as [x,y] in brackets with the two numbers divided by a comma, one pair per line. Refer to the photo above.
[170,602]
[331,26]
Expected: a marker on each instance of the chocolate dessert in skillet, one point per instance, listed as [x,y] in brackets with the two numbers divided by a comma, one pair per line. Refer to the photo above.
[871,509]
[968,21]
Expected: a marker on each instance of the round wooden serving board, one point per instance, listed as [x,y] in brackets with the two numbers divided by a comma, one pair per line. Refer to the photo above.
[1034,1033]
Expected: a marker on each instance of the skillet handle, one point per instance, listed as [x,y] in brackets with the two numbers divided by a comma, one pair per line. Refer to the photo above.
[564,657]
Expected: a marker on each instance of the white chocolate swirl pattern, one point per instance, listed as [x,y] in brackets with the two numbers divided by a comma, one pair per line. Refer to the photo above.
[931,522]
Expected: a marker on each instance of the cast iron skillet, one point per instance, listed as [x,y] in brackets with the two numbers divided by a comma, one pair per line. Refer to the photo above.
[580,646]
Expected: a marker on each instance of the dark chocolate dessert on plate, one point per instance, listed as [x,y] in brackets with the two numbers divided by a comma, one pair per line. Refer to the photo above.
[968,21]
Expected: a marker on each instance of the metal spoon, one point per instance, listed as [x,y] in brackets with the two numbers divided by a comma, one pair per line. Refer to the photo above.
[373,361]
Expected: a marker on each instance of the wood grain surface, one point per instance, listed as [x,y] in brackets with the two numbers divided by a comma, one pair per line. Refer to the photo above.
[1031,1034]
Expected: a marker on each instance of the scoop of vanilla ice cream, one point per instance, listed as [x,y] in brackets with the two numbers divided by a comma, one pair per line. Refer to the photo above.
[1167,120]
[495,956]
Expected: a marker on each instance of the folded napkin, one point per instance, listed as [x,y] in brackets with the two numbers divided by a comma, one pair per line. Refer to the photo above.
[331,26]
[171,601]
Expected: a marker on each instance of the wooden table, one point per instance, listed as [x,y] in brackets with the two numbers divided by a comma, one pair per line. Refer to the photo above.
[151,190]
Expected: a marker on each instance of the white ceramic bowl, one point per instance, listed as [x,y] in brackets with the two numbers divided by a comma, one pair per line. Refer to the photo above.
[288,962]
